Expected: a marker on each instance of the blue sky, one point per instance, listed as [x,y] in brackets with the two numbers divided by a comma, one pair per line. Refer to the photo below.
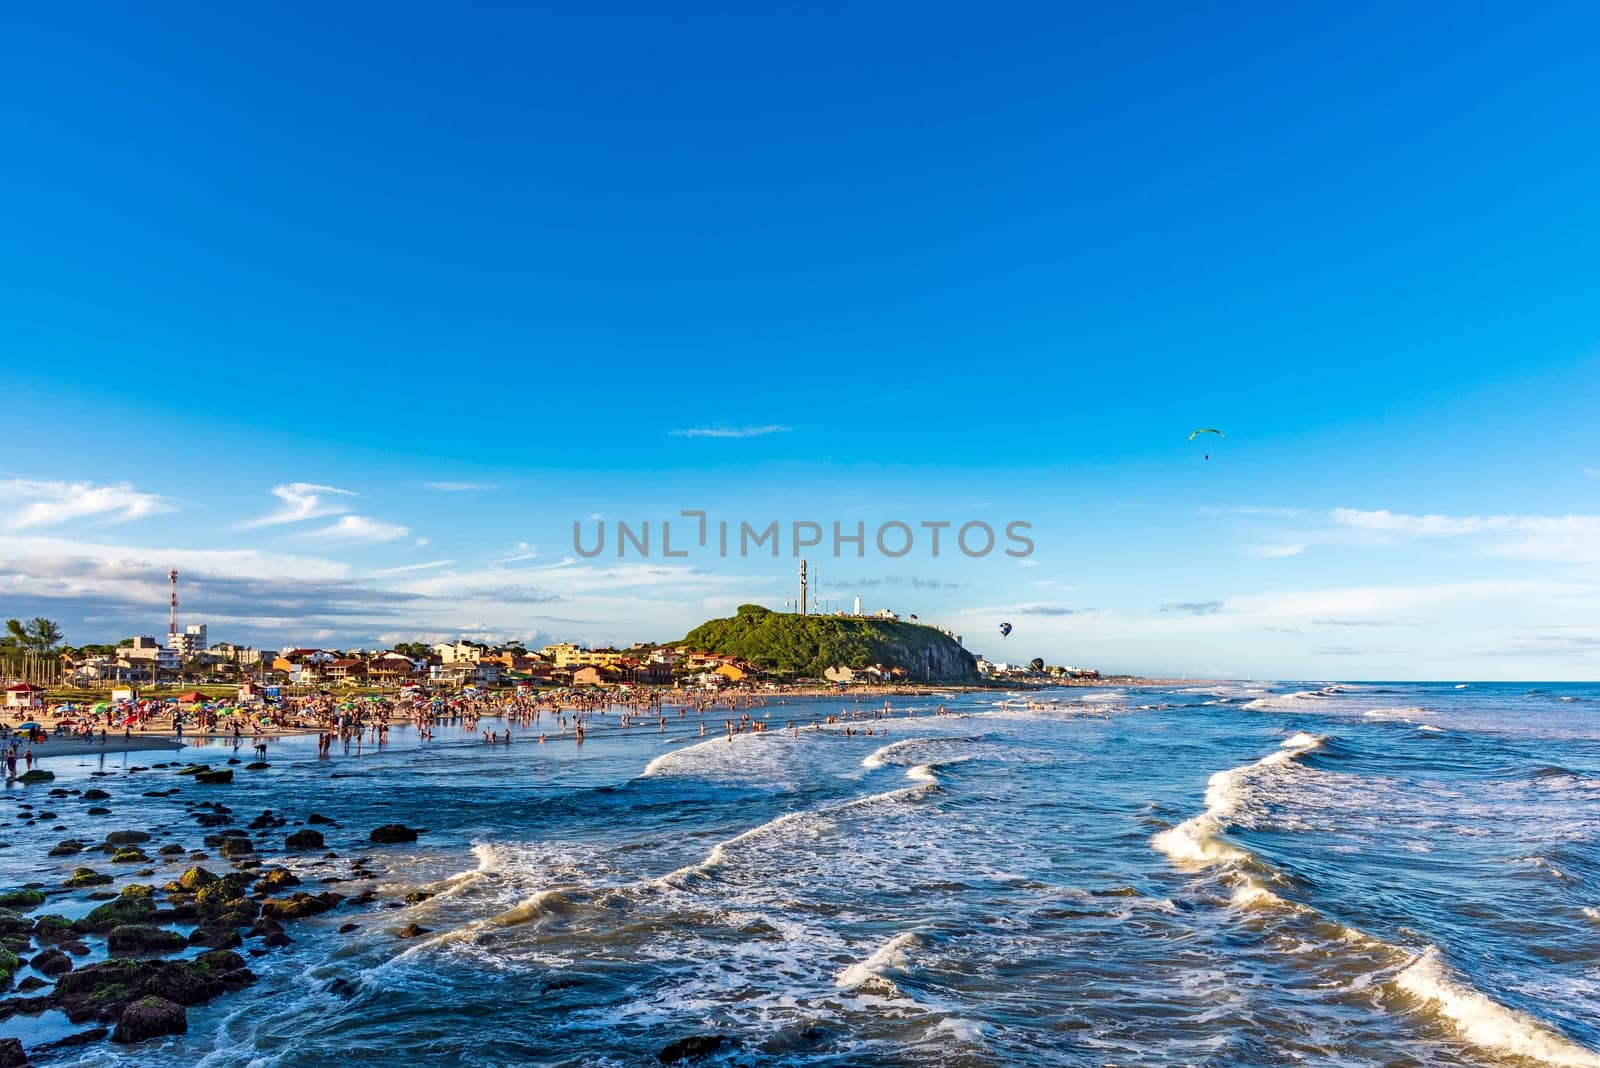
[955,266]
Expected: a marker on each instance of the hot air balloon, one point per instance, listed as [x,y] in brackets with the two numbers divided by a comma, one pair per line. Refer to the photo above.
[1005,630]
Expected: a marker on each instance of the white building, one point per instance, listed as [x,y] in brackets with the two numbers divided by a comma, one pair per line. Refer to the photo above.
[460,652]
[143,651]
[190,643]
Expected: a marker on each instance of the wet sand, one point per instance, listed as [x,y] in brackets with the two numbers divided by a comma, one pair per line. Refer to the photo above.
[62,747]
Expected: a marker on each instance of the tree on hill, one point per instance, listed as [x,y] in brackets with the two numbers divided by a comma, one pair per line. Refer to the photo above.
[789,645]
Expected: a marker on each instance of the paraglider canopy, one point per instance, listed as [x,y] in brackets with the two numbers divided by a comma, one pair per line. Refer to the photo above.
[1206,430]
[1005,630]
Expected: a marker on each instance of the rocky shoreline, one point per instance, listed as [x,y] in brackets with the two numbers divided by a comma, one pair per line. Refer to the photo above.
[130,967]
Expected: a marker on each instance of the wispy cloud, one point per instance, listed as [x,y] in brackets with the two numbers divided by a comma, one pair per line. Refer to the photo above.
[1192,608]
[510,595]
[1054,610]
[409,568]
[910,582]
[1559,538]
[731,431]
[1263,511]
[463,487]
[1275,552]
[29,504]
[302,501]
[358,528]
[1358,623]
[522,551]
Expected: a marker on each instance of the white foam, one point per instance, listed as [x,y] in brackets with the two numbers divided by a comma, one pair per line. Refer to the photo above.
[894,953]
[879,757]
[1195,841]
[1592,913]
[1406,714]
[961,1029]
[1485,1023]
[1431,729]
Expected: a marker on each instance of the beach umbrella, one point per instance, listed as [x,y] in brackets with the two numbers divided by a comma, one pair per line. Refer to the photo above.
[31,725]
[101,707]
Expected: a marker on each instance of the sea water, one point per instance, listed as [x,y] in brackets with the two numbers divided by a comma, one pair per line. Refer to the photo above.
[1239,874]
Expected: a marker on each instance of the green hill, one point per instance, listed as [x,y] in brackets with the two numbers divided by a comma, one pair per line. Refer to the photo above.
[788,645]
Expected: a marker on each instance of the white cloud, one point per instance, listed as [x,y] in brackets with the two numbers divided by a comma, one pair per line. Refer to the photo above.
[731,431]
[1568,538]
[408,568]
[522,551]
[302,501]
[358,528]
[1274,552]
[27,504]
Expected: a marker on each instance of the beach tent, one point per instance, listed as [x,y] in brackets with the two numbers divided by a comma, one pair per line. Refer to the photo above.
[190,698]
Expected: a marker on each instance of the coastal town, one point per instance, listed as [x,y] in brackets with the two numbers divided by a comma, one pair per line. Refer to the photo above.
[36,663]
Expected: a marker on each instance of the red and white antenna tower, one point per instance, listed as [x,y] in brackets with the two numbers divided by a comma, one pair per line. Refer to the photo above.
[172,619]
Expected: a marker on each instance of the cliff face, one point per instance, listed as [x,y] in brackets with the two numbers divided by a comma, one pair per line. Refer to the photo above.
[790,645]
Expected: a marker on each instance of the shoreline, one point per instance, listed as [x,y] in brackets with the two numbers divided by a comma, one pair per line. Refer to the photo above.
[72,747]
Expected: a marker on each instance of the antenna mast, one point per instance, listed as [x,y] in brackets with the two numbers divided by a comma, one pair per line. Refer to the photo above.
[172,618]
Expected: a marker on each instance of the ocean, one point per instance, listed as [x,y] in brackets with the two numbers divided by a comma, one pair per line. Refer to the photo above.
[1230,874]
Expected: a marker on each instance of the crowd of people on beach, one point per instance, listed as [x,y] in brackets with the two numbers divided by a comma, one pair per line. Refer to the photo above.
[354,724]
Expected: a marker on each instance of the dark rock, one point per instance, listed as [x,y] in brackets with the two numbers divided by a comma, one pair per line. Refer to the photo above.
[134,905]
[258,765]
[236,848]
[216,938]
[172,849]
[346,928]
[299,905]
[124,838]
[30,984]
[101,991]
[306,839]
[11,1054]
[36,775]
[98,810]
[53,928]
[150,1017]
[21,899]
[191,882]
[87,877]
[192,769]
[52,962]
[67,847]
[417,897]
[96,795]
[276,879]
[392,834]
[691,1048]
[319,818]
[411,930]
[215,778]
[142,940]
